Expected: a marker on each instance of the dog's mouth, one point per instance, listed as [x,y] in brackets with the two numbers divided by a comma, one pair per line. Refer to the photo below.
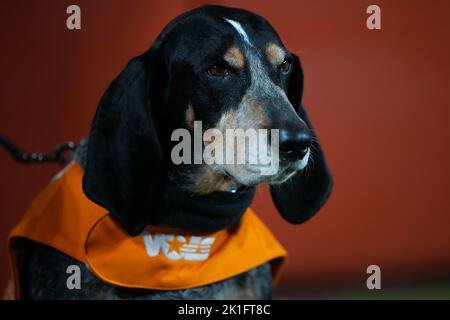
[254,174]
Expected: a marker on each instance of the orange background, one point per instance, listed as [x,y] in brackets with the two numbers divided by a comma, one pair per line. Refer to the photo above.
[379,100]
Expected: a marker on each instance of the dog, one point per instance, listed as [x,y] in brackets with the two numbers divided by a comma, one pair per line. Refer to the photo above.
[229,69]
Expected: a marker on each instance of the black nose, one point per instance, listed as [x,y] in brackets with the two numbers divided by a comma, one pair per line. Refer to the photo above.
[294,144]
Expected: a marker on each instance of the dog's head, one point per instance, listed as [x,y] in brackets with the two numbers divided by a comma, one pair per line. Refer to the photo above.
[226,69]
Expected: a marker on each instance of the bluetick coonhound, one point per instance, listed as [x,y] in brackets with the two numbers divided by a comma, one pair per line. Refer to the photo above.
[225,67]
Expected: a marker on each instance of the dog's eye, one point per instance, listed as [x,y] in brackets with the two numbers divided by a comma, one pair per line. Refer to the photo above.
[285,66]
[218,70]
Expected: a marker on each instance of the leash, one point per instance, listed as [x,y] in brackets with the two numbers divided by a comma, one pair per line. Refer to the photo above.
[58,155]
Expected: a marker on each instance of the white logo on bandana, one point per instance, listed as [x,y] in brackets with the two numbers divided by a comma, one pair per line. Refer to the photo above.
[176,247]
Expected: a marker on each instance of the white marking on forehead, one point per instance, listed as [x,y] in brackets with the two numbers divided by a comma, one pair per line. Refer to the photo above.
[236,25]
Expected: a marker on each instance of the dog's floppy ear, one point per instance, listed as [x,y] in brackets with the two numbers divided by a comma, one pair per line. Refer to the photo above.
[306,192]
[124,159]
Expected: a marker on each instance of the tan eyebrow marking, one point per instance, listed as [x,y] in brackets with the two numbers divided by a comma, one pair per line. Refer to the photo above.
[234,57]
[275,54]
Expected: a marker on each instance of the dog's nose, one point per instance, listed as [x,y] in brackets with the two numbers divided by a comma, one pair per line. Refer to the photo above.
[294,144]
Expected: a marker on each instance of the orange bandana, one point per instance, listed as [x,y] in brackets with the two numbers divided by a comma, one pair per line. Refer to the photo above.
[63,218]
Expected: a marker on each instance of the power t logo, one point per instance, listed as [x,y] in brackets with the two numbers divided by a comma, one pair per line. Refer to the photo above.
[176,247]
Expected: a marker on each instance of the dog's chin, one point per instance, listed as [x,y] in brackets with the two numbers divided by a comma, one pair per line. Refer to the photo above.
[252,176]
[281,178]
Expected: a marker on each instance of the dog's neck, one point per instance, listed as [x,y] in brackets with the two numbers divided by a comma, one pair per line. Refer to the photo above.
[200,200]
[204,179]
[217,210]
